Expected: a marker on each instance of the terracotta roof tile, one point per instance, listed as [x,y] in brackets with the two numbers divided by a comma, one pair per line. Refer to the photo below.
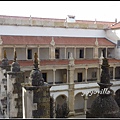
[116,25]
[62,62]
[82,41]
[38,40]
[25,40]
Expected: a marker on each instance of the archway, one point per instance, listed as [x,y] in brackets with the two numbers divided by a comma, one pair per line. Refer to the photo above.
[79,103]
[117,97]
[90,100]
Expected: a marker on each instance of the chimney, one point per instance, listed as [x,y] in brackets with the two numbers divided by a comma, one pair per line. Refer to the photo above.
[115,20]
[70,18]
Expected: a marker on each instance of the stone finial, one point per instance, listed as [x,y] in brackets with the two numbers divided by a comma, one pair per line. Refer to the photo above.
[104,105]
[15,56]
[4,60]
[105,77]
[35,60]
[96,42]
[5,56]
[15,65]
[36,75]
[52,42]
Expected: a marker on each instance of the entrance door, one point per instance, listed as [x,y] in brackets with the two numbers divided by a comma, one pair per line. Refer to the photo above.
[79,77]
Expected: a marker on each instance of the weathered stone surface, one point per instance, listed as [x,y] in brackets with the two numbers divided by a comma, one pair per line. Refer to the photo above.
[104,106]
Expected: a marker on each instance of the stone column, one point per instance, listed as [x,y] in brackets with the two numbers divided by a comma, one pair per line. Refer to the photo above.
[86,74]
[71,70]
[65,52]
[67,76]
[96,52]
[114,72]
[1,49]
[40,93]
[71,100]
[15,90]
[98,74]
[14,49]
[54,109]
[84,52]
[74,52]
[85,103]
[106,52]
[26,52]
[54,76]
[38,53]
[52,52]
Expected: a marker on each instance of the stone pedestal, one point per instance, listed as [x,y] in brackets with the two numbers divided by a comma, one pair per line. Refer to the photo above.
[14,94]
[40,96]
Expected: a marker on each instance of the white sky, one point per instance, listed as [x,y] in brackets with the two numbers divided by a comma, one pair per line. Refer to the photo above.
[83,10]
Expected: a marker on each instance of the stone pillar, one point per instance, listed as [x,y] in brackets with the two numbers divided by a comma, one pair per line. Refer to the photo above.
[71,75]
[85,103]
[38,53]
[71,70]
[4,68]
[54,76]
[84,52]
[26,52]
[52,52]
[1,49]
[114,73]
[67,76]
[96,52]
[106,52]
[86,74]
[14,90]
[65,52]
[74,52]
[98,74]
[41,101]
[71,100]
[54,109]
[39,94]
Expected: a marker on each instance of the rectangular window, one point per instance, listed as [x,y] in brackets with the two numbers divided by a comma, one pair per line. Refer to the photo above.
[68,54]
[29,54]
[81,54]
[57,53]
[79,77]
[44,75]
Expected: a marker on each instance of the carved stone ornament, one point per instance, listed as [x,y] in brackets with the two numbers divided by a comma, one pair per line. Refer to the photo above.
[52,42]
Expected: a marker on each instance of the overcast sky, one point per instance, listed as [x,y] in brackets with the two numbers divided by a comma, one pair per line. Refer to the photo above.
[83,10]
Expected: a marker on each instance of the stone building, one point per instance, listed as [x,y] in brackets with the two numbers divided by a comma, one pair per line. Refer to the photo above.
[70,54]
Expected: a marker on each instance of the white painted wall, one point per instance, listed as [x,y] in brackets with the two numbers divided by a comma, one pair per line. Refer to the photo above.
[47,31]
[79,102]
[90,71]
[58,76]
[62,53]
[89,53]
[44,53]
[21,53]
[113,35]
[10,53]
